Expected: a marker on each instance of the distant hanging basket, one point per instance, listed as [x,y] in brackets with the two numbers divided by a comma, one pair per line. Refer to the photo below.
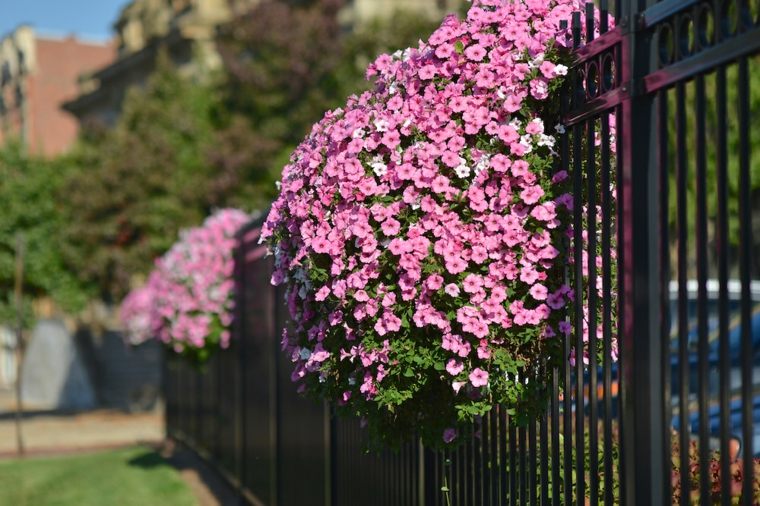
[187,302]
[417,229]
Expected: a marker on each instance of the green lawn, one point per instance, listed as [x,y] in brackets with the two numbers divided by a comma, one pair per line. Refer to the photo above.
[134,476]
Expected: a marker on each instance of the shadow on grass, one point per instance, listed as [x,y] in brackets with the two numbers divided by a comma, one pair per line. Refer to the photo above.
[148,460]
[206,482]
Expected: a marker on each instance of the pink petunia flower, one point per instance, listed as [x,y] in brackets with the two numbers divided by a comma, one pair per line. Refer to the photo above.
[478,377]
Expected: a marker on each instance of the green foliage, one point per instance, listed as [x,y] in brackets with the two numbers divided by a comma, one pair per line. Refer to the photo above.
[135,185]
[182,148]
[710,146]
[284,66]
[28,187]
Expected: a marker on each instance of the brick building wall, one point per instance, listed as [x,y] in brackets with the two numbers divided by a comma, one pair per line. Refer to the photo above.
[38,74]
[59,64]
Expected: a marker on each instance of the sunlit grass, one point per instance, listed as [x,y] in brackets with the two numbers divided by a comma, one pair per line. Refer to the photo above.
[133,476]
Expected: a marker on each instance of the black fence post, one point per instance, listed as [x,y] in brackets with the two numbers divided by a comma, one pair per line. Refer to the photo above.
[239,336]
[331,446]
[640,265]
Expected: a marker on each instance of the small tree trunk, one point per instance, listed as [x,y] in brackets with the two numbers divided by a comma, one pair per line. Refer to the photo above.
[19,287]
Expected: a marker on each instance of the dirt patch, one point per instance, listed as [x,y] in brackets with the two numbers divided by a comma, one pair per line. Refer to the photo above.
[208,486]
[51,433]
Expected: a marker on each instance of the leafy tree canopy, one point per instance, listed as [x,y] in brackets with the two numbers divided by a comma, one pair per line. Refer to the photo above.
[184,147]
[284,66]
[28,187]
[135,185]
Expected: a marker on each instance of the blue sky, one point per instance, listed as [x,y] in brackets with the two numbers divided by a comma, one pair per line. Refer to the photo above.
[90,19]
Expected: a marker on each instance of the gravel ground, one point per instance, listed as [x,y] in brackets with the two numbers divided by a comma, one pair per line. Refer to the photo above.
[46,432]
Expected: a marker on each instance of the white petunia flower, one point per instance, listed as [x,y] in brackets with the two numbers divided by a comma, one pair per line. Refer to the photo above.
[378,166]
[462,171]
[526,142]
[560,128]
[560,70]
[546,140]
[482,164]
[381,125]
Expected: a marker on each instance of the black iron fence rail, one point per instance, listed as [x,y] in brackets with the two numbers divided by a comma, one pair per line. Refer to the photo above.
[658,146]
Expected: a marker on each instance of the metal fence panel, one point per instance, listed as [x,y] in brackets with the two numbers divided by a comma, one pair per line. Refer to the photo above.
[658,116]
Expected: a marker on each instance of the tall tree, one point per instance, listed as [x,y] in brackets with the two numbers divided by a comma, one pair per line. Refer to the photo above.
[284,66]
[138,183]
[28,190]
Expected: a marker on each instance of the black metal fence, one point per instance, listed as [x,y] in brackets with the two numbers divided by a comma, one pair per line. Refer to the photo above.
[658,144]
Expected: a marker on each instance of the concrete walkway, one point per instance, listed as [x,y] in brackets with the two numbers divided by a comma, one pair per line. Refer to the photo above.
[47,432]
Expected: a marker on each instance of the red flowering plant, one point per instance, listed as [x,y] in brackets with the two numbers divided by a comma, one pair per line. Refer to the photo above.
[737,475]
[188,299]
[416,229]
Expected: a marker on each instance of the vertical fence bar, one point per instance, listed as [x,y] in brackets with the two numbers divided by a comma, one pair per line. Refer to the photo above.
[592,291]
[592,314]
[567,391]
[563,454]
[241,435]
[543,436]
[664,174]
[504,492]
[683,316]
[532,464]
[496,460]
[484,458]
[578,283]
[606,279]
[745,256]
[639,318]
[722,251]
[606,305]
[513,493]
[555,456]
[523,470]
[701,242]
[578,312]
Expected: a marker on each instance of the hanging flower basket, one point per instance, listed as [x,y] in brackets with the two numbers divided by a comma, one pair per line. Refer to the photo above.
[187,302]
[417,230]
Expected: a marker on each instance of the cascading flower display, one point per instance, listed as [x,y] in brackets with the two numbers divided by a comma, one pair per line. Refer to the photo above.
[417,228]
[187,302]
[137,312]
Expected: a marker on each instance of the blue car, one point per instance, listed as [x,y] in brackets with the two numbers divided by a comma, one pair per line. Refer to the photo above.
[713,359]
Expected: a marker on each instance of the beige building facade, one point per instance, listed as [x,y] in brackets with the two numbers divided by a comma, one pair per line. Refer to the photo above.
[186,30]
[183,28]
[362,11]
